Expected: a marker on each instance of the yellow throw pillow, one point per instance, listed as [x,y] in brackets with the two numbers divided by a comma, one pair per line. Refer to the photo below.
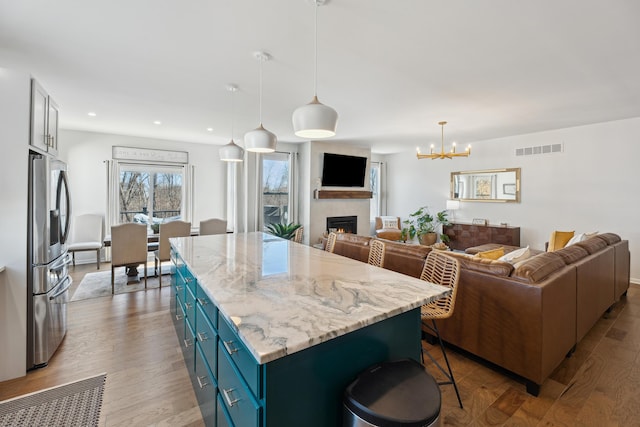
[559,239]
[492,254]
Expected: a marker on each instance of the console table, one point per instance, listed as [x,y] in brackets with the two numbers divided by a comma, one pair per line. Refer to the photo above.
[467,235]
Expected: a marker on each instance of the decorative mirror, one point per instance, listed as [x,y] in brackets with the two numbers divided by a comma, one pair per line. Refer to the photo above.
[494,185]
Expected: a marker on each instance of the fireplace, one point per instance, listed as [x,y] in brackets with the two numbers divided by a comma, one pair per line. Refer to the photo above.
[342,224]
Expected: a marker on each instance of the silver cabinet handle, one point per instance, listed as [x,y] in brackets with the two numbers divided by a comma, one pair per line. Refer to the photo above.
[202,336]
[179,317]
[226,393]
[188,279]
[202,381]
[228,348]
[202,301]
[188,343]
[188,305]
[178,288]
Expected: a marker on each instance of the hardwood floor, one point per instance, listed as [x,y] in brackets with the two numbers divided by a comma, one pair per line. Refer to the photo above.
[131,337]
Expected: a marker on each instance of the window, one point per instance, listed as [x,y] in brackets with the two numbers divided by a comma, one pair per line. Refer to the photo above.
[150,194]
[375,181]
[276,199]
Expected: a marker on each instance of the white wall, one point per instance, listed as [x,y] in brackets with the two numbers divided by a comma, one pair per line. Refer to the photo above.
[85,153]
[588,187]
[14,139]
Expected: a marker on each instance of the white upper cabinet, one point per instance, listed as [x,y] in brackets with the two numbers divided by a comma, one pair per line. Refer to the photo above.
[44,120]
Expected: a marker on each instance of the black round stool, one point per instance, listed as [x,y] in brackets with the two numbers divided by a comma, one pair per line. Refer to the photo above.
[392,394]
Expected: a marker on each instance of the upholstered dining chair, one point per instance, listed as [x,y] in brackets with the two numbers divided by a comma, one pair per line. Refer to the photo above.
[213,226]
[128,247]
[376,253]
[331,242]
[297,236]
[167,230]
[443,270]
[87,234]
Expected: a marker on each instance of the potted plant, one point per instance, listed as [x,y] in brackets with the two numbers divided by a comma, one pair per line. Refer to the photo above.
[424,225]
[286,231]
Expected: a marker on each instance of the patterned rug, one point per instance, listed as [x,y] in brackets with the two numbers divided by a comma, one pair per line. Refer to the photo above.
[73,404]
[98,284]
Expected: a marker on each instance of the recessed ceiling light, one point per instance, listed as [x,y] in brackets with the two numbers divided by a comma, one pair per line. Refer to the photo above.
[209,129]
[157,122]
[91,113]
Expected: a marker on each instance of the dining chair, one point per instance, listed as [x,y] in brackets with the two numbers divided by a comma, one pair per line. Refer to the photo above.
[167,230]
[331,242]
[87,234]
[213,226]
[128,247]
[442,270]
[376,253]
[299,233]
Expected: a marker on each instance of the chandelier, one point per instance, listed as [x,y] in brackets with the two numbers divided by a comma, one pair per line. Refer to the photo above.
[442,154]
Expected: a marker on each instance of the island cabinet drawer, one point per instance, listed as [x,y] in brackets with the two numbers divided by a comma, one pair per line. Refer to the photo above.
[223,418]
[238,400]
[234,348]
[179,322]
[209,309]
[188,346]
[190,308]
[207,338]
[205,386]
[190,280]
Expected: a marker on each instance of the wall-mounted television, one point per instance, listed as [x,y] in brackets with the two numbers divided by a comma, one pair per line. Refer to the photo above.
[339,170]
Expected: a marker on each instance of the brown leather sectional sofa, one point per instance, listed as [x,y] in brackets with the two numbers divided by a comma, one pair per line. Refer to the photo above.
[526,317]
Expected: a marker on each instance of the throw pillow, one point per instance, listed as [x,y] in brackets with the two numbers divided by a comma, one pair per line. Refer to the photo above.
[517,255]
[492,254]
[390,223]
[559,239]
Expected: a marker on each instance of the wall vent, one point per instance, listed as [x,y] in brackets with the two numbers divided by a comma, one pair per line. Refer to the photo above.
[540,149]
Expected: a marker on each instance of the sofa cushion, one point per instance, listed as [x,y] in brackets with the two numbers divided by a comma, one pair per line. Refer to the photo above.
[571,254]
[610,238]
[405,258]
[352,246]
[483,265]
[538,267]
[592,245]
[491,254]
[559,239]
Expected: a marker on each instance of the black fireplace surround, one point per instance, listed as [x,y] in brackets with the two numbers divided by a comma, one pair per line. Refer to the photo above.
[343,224]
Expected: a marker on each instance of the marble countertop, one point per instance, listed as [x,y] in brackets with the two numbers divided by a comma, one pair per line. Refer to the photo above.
[284,297]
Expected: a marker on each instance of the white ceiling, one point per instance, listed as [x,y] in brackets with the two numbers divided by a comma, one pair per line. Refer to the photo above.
[392,69]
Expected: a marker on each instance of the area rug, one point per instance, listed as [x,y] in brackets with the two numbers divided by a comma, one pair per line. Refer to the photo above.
[73,404]
[98,284]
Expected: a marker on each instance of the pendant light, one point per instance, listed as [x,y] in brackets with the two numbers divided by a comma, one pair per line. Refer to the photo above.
[231,152]
[260,140]
[315,120]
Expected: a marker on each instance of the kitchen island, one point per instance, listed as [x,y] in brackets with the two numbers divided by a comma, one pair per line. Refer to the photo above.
[273,331]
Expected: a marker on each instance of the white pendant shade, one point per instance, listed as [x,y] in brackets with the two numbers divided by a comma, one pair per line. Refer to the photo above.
[260,140]
[231,152]
[315,120]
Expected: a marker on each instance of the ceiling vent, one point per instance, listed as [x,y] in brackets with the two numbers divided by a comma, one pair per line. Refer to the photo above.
[540,149]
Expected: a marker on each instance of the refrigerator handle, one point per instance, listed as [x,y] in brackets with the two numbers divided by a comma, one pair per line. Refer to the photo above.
[63,290]
[67,195]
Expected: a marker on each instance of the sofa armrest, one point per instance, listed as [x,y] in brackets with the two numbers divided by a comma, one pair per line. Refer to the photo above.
[527,328]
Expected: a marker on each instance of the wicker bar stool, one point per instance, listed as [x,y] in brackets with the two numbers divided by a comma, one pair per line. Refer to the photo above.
[443,270]
[331,242]
[297,236]
[376,253]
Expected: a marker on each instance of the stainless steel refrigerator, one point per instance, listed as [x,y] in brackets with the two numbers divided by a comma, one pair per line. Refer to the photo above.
[48,261]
